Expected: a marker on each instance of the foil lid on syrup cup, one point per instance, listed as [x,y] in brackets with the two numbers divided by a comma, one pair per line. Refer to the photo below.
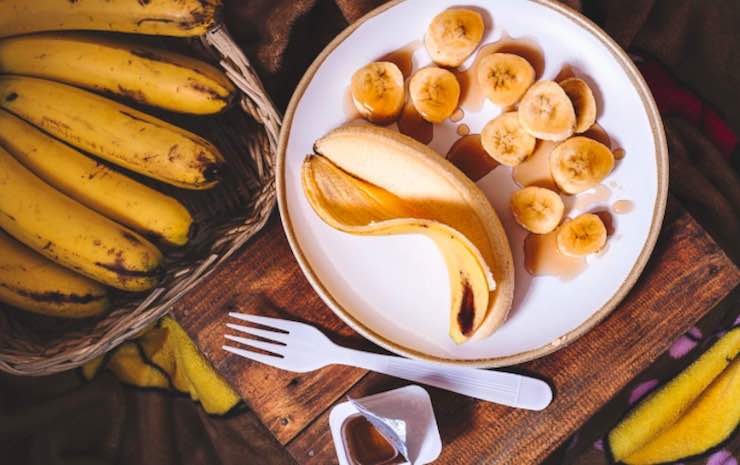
[394,427]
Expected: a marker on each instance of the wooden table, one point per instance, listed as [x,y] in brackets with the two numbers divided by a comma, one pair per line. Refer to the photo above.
[687,275]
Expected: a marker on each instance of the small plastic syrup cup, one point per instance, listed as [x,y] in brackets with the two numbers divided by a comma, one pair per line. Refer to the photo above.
[357,443]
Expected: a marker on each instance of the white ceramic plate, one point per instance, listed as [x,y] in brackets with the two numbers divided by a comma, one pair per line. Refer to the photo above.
[394,290]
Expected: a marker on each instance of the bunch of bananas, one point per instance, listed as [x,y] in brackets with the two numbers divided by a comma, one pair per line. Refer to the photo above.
[73,224]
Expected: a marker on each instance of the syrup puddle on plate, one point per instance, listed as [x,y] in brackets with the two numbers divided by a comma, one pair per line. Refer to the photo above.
[542,258]
[622,207]
[413,125]
[457,116]
[535,170]
[592,197]
[619,154]
[472,96]
[468,154]
[403,57]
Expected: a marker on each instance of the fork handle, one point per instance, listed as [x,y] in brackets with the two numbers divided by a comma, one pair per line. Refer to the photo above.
[494,386]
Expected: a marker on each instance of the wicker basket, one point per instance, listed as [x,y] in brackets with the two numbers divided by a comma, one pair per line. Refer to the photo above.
[227,217]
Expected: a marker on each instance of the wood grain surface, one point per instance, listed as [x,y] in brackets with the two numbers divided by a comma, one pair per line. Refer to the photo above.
[686,276]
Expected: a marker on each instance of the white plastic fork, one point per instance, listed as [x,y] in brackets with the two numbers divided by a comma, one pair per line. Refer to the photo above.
[300,348]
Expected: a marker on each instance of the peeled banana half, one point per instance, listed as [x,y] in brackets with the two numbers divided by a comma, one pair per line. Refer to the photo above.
[157,17]
[71,234]
[139,72]
[94,184]
[33,283]
[370,180]
[453,35]
[114,132]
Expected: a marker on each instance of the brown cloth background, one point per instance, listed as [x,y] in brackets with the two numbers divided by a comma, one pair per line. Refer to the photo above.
[61,420]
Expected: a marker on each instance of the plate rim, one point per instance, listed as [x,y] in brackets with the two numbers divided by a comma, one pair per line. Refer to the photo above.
[656,127]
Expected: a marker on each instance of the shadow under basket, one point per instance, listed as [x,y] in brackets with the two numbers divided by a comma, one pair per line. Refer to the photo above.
[226,217]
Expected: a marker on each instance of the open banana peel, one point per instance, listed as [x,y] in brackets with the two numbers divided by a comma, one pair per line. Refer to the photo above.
[367,180]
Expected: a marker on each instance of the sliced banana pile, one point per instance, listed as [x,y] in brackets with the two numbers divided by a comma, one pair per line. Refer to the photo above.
[366,180]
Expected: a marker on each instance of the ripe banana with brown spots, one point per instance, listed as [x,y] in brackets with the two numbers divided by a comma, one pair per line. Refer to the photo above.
[181,18]
[142,73]
[71,234]
[33,283]
[114,132]
[94,184]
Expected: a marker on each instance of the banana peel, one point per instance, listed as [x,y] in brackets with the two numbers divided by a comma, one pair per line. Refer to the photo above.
[690,415]
[165,357]
[372,181]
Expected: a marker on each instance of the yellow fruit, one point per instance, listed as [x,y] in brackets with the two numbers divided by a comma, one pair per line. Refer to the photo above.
[453,35]
[506,141]
[537,209]
[139,72]
[378,92]
[580,163]
[436,191]
[114,132]
[95,185]
[33,283]
[581,236]
[664,414]
[158,17]
[583,102]
[352,205]
[546,112]
[435,93]
[71,234]
[505,77]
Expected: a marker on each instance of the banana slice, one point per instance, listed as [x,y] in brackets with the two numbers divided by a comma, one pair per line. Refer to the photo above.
[435,93]
[582,236]
[546,112]
[537,209]
[506,141]
[453,36]
[378,92]
[505,77]
[583,101]
[580,163]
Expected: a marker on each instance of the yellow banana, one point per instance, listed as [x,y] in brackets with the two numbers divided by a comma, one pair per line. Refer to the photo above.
[142,73]
[158,17]
[71,234]
[434,190]
[113,131]
[453,35]
[33,283]
[94,184]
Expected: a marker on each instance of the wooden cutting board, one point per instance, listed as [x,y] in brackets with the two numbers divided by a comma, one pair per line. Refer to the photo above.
[686,276]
